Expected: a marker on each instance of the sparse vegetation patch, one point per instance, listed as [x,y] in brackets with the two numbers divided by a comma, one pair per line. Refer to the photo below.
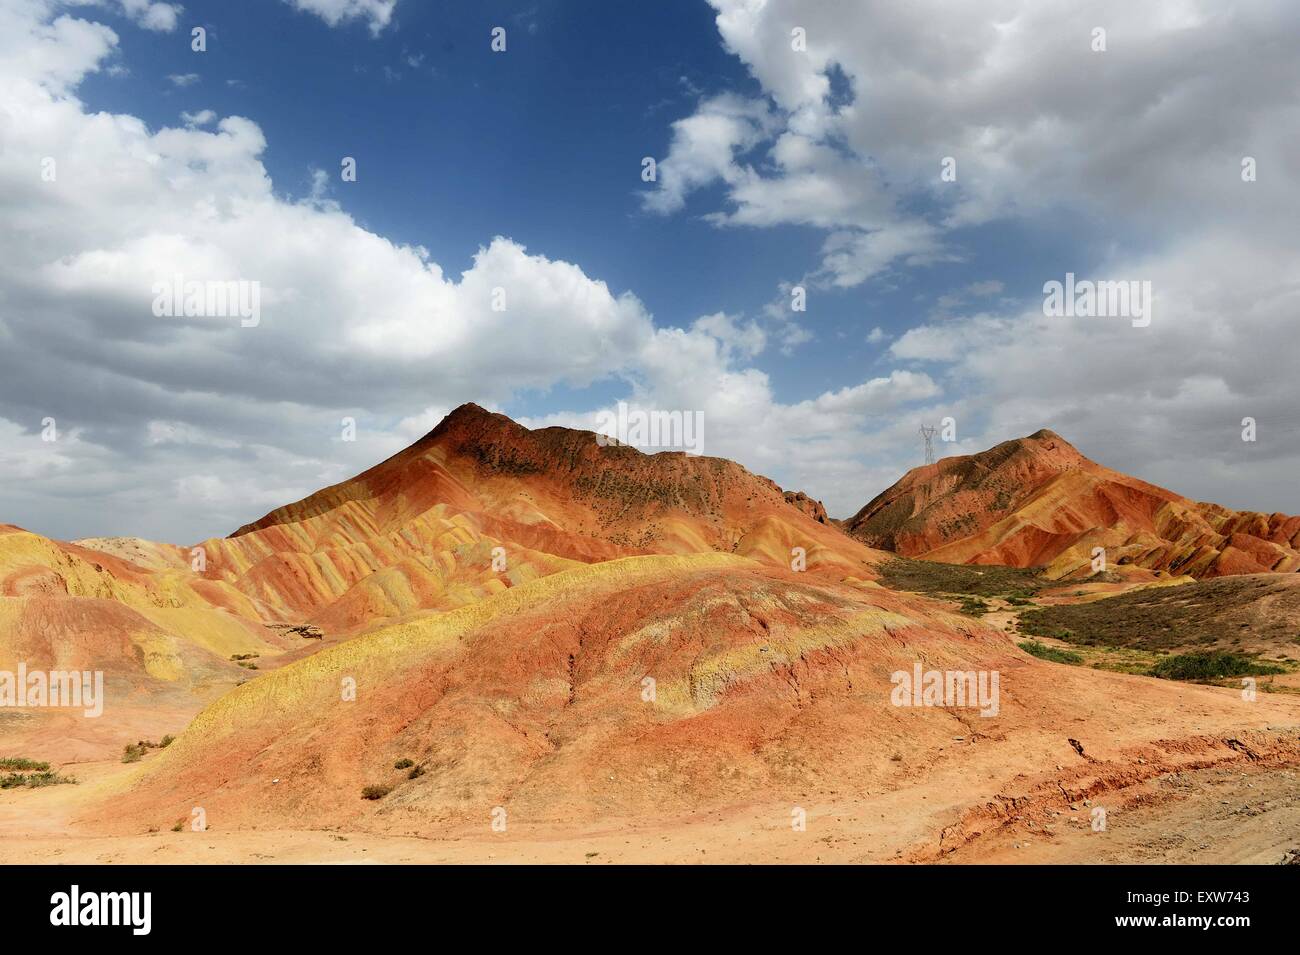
[34,780]
[1211,665]
[1221,614]
[986,580]
[1054,654]
[22,762]
[136,751]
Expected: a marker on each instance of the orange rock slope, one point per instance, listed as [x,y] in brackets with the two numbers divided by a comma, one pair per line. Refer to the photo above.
[482,503]
[164,639]
[537,698]
[72,606]
[479,505]
[1037,501]
[663,687]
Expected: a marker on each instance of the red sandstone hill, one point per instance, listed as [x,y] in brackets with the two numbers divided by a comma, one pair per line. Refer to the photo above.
[1038,501]
[478,506]
[419,530]
[564,484]
[655,690]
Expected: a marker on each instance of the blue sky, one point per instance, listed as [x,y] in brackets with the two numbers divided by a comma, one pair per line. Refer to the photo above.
[457,144]
[777,166]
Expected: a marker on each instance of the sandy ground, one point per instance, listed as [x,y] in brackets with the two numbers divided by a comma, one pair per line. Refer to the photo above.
[36,827]
[1243,811]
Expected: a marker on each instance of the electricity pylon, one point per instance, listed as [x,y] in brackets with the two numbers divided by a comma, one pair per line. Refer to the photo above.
[928,434]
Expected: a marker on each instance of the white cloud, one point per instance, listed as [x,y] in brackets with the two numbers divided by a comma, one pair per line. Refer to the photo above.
[203,117]
[1133,154]
[984,289]
[1165,401]
[1038,123]
[160,17]
[416,426]
[747,340]
[378,13]
[850,258]
[704,148]
[180,428]
[52,52]
[183,79]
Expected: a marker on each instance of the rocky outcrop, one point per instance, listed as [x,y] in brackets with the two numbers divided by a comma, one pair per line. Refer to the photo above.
[812,508]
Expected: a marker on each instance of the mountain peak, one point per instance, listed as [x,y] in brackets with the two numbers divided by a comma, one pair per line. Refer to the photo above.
[936,504]
[1048,440]
[1046,434]
[468,410]
[470,417]
[566,492]
[1038,501]
[1048,451]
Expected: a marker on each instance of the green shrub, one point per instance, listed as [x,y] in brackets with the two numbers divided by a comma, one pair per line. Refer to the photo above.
[986,580]
[1211,665]
[404,764]
[415,773]
[1055,654]
[376,792]
[1032,625]
[33,780]
[22,762]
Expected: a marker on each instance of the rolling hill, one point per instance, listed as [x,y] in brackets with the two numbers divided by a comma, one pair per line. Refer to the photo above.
[1037,501]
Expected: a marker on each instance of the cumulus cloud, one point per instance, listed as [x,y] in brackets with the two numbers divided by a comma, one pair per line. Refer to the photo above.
[705,147]
[202,118]
[377,13]
[181,427]
[852,257]
[152,15]
[1135,153]
[1165,401]
[178,428]
[1035,121]
[746,339]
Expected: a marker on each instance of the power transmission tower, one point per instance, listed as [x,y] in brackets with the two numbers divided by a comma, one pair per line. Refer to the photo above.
[928,434]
